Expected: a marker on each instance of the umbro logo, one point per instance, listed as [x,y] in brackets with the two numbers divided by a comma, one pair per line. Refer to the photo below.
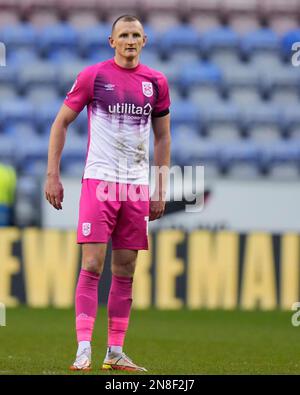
[109,87]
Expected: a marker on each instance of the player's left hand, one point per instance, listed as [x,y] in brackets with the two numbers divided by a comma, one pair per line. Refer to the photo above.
[157,208]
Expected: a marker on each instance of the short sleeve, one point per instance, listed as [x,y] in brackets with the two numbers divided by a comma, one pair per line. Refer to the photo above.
[163,100]
[81,93]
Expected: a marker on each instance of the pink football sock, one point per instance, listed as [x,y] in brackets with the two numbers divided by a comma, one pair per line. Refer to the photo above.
[118,308]
[86,304]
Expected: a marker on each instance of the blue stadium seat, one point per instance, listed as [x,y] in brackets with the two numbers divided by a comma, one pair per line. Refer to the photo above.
[260,114]
[81,123]
[149,57]
[46,113]
[204,94]
[32,158]
[35,167]
[263,39]
[283,152]
[285,96]
[27,200]
[18,36]
[8,76]
[68,73]
[39,94]
[220,132]
[22,56]
[5,215]
[12,111]
[242,152]
[181,36]
[244,96]
[184,112]
[180,132]
[222,113]
[243,170]
[7,149]
[58,36]
[200,73]
[282,160]
[63,55]
[38,73]
[287,171]
[284,77]
[7,92]
[26,185]
[19,131]
[188,148]
[264,134]
[287,42]
[73,168]
[225,58]
[151,36]
[291,116]
[162,21]
[218,39]
[183,57]
[74,152]
[199,152]
[92,40]
[101,56]
[171,71]
[183,132]
[240,75]
[265,60]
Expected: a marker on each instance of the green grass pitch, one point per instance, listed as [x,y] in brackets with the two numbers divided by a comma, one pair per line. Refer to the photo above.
[42,341]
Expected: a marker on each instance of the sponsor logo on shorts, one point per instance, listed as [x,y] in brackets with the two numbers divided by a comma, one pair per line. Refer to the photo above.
[147,88]
[86,228]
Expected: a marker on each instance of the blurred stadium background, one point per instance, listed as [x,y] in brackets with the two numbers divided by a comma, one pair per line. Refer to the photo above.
[235,109]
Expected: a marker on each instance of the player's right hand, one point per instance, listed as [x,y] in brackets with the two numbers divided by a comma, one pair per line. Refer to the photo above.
[54,191]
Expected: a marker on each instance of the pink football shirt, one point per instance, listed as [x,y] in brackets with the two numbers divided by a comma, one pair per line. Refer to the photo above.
[120,103]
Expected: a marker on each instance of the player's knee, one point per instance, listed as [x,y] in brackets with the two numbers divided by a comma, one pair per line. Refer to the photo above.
[92,264]
[123,269]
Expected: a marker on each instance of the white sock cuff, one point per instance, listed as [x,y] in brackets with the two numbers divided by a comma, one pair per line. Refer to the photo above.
[115,349]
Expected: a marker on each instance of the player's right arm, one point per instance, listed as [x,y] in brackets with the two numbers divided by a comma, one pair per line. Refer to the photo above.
[54,191]
[79,96]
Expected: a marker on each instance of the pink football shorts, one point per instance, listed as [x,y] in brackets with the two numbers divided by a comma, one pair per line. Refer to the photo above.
[114,210]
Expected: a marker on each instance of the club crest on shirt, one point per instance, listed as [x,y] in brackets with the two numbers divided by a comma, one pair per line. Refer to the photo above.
[147,88]
[86,228]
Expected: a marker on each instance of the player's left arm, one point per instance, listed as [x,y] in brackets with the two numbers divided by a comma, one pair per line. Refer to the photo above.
[162,145]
